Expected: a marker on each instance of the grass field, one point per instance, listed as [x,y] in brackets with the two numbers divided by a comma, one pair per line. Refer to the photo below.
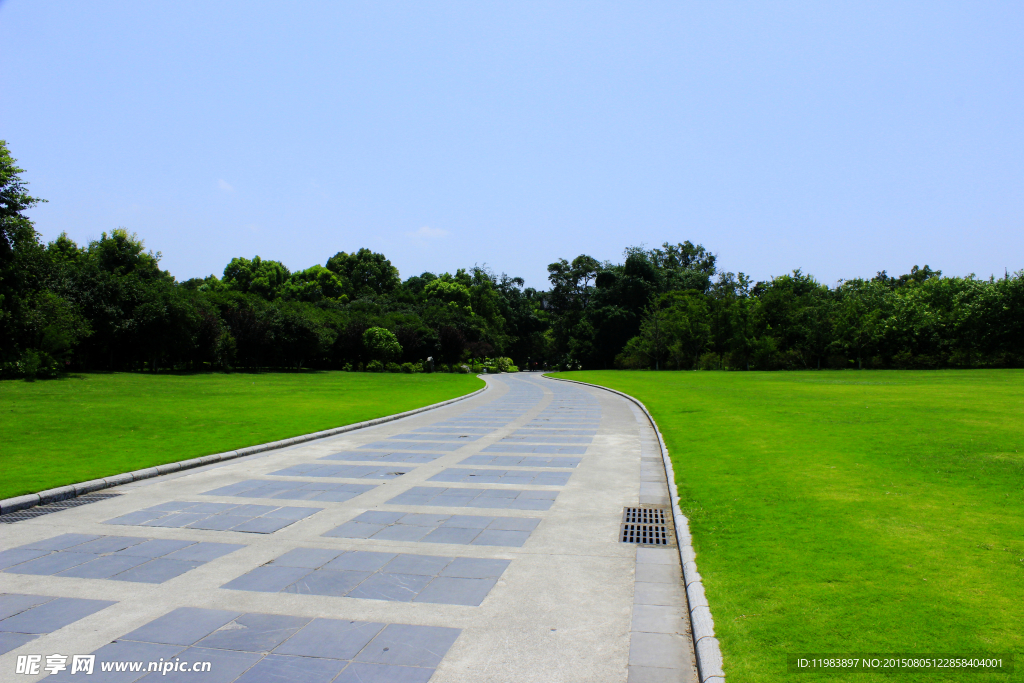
[87,426]
[850,512]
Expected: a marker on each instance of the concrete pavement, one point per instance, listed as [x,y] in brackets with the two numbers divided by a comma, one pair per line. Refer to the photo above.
[476,542]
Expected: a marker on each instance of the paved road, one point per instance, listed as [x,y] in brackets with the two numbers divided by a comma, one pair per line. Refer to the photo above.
[477,542]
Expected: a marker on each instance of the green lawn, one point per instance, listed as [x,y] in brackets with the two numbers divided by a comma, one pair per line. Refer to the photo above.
[858,512]
[87,426]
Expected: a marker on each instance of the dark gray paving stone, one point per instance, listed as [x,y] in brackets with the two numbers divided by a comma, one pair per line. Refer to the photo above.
[156,571]
[220,522]
[360,672]
[109,544]
[254,632]
[410,499]
[225,666]
[267,579]
[411,446]
[401,532]
[514,524]
[293,513]
[448,590]
[183,626]
[391,456]
[14,556]
[306,557]
[135,518]
[10,641]
[343,471]
[408,645]
[120,652]
[354,530]
[13,603]
[170,506]
[62,542]
[263,525]
[52,615]
[379,517]
[290,669]
[104,567]
[468,521]
[455,535]
[435,436]
[475,568]
[428,565]
[422,519]
[511,539]
[360,561]
[253,510]
[327,582]
[51,564]
[175,520]
[213,508]
[330,638]
[155,548]
[203,552]
[395,587]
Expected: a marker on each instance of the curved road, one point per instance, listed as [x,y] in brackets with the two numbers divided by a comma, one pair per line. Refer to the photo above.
[476,542]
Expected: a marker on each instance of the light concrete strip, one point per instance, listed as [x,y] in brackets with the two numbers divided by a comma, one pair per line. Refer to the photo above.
[706,646]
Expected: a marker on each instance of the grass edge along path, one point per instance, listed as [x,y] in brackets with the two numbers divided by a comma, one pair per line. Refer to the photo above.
[849,512]
[83,427]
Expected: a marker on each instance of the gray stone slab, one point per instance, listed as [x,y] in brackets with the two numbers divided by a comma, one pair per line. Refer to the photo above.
[254,632]
[511,539]
[53,563]
[120,652]
[407,645]
[306,557]
[225,666]
[393,587]
[11,641]
[104,567]
[327,582]
[263,525]
[52,615]
[220,522]
[658,594]
[330,638]
[183,626]
[428,565]
[175,520]
[401,532]
[156,571]
[449,590]
[658,650]
[13,603]
[203,552]
[361,561]
[361,672]
[475,568]
[659,618]
[650,674]
[412,446]
[62,542]
[267,579]
[658,573]
[289,669]
[15,556]
[451,535]
[155,548]
[108,544]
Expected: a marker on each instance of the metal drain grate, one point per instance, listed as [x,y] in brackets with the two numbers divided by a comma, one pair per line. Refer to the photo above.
[40,510]
[647,525]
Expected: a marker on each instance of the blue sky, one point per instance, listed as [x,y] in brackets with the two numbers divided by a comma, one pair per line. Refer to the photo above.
[840,138]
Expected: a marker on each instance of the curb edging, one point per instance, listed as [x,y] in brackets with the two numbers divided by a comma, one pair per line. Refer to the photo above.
[706,647]
[30,500]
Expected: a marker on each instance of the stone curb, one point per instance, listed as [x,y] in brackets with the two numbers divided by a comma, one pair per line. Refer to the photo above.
[705,645]
[74,490]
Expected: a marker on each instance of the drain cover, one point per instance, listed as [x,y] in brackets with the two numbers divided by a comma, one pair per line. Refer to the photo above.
[40,510]
[647,525]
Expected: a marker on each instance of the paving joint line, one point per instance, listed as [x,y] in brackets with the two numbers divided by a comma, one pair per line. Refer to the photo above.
[53,495]
[707,649]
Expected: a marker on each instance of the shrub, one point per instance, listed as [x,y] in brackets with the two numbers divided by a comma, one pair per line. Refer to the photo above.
[512,368]
[347,367]
[381,344]
[393,367]
[374,366]
[410,368]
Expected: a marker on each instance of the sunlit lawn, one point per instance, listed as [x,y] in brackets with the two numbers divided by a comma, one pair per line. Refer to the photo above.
[850,512]
[87,426]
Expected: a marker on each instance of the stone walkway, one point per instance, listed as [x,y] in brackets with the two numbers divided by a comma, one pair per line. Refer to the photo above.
[477,542]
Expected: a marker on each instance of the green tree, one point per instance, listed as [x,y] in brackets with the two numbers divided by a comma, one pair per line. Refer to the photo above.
[381,344]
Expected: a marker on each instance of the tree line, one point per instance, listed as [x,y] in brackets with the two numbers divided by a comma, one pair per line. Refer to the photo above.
[108,306]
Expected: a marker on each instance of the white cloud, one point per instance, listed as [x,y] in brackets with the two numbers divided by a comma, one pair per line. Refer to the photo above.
[426,232]
[223,184]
